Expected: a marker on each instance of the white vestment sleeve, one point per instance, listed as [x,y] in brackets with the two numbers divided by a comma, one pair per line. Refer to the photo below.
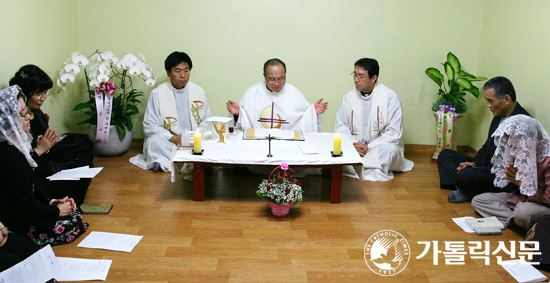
[246,116]
[308,122]
[244,120]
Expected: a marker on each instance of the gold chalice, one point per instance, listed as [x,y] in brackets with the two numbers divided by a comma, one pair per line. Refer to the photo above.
[220,129]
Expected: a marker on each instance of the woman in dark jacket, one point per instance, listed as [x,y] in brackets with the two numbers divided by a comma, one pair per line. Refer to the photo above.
[27,210]
[65,154]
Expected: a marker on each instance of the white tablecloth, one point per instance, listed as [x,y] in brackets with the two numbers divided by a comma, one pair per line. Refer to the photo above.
[237,151]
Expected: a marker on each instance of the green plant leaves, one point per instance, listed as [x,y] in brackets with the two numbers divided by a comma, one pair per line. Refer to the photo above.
[435,75]
[121,131]
[449,71]
[131,110]
[453,88]
[454,62]
[474,91]
[82,105]
[464,83]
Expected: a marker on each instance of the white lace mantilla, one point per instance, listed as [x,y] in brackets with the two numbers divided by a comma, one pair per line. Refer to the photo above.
[522,141]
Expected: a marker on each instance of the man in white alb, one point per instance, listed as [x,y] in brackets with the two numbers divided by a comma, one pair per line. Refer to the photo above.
[173,107]
[371,117]
[276,104]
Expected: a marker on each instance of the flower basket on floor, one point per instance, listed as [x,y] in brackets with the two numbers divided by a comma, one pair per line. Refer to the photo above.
[281,190]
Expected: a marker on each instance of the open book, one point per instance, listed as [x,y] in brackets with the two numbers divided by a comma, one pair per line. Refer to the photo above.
[277,134]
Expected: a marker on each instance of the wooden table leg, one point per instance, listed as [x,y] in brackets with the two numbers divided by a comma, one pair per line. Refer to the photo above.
[336,184]
[198,182]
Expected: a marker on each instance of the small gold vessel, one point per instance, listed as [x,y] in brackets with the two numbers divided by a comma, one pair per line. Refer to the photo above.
[220,129]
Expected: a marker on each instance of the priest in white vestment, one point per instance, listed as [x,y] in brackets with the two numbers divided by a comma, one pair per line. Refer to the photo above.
[371,116]
[276,104]
[174,107]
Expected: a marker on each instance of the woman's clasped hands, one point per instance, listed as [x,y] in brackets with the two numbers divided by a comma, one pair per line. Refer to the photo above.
[66,206]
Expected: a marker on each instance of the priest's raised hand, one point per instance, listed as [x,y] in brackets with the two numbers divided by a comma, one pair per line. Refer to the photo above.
[233,107]
[320,106]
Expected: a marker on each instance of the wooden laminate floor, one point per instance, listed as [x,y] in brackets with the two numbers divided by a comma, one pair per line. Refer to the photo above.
[232,237]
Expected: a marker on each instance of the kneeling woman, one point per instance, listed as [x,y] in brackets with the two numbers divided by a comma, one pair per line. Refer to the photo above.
[26,210]
[75,150]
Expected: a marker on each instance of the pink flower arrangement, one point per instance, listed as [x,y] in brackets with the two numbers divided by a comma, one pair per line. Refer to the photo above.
[281,187]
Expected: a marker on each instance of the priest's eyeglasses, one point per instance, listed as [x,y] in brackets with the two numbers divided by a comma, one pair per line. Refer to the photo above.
[360,76]
[272,80]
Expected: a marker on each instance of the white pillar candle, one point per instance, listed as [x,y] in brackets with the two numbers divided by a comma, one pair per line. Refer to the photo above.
[337,144]
[197,148]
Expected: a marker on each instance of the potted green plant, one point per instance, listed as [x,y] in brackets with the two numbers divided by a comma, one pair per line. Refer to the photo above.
[455,86]
[111,98]
[451,104]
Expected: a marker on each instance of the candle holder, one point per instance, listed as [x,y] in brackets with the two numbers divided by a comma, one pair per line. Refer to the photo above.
[333,155]
[197,153]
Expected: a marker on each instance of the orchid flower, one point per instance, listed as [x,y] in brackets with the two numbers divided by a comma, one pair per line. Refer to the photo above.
[94,83]
[80,60]
[67,78]
[92,75]
[130,57]
[72,68]
[104,68]
[134,71]
[150,82]
[146,73]
[103,78]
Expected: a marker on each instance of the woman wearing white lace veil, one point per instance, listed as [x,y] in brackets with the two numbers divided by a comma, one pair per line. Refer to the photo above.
[23,208]
[72,150]
[12,127]
[522,157]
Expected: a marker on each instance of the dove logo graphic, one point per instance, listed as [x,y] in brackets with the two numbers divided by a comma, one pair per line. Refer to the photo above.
[387,253]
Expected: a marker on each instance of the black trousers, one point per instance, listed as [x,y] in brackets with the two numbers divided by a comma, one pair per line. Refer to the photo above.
[16,249]
[469,179]
[542,235]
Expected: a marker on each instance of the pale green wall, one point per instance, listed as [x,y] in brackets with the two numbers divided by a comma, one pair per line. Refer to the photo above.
[515,43]
[41,33]
[319,41]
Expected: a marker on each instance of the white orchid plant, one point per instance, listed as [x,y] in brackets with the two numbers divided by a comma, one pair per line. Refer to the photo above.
[103,71]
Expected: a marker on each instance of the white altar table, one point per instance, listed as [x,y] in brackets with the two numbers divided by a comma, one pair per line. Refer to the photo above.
[250,153]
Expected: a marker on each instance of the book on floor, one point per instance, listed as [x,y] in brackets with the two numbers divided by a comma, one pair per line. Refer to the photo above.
[95,208]
[487,222]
